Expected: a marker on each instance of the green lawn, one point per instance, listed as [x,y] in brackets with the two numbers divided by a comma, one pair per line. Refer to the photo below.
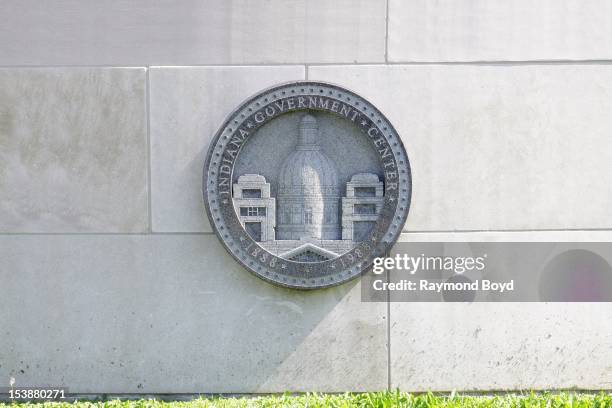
[381,399]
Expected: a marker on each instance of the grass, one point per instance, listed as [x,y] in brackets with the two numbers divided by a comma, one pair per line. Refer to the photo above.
[375,399]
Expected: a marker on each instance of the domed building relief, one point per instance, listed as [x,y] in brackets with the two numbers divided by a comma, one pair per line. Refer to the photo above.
[311,219]
[306,183]
[308,191]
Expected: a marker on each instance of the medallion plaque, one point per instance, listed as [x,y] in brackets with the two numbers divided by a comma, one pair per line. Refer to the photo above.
[306,183]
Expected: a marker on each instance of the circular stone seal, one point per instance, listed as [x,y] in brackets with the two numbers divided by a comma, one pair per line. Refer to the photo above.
[306,183]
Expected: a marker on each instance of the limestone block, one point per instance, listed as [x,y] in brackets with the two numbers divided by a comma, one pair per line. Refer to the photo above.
[175,314]
[513,30]
[501,346]
[73,150]
[497,147]
[191,32]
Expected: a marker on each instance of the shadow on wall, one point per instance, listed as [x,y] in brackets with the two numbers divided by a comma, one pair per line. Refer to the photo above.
[265,338]
[171,313]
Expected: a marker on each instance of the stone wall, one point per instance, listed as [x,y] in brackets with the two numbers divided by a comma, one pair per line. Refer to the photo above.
[112,281]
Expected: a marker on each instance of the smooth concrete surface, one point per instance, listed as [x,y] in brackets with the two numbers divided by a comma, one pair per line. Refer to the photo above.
[510,30]
[508,236]
[161,32]
[512,147]
[73,150]
[188,106]
[191,32]
[501,346]
[175,314]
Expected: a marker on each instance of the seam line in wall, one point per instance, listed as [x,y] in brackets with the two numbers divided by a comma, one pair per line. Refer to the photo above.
[507,230]
[387,33]
[212,233]
[388,330]
[306,72]
[148,112]
[341,64]
[118,66]
[477,63]
[146,233]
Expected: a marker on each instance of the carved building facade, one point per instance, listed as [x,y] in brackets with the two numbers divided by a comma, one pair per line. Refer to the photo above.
[255,208]
[308,190]
[314,221]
